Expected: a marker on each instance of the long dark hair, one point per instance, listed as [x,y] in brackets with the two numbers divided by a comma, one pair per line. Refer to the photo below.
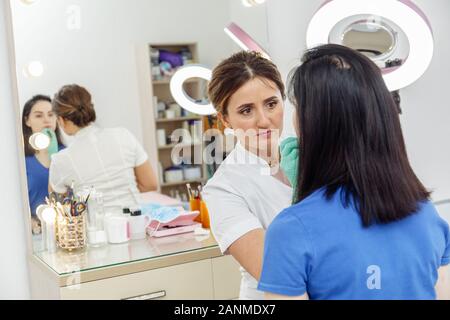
[351,137]
[26,130]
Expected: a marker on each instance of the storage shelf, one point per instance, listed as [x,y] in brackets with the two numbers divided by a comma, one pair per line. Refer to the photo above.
[179,119]
[180,145]
[166,81]
[164,185]
[160,89]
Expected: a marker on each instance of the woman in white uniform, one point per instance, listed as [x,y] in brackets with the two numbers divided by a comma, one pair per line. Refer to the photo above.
[111,160]
[248,190]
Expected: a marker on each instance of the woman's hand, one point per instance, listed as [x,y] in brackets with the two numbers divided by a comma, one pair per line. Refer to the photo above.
[289,149]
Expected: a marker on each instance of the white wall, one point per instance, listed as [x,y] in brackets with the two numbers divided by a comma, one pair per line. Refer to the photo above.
[252,20]
[101,55]
[13,270]
[425,104]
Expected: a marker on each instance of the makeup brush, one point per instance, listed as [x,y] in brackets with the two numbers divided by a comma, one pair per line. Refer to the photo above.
[189,189]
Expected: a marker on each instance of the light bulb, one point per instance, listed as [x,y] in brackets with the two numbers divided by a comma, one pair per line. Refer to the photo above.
[40,210]
[34,69]
[49,215]
[39,141]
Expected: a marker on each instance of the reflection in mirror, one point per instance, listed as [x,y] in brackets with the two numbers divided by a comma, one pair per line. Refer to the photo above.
[376,37]
[123,60]
[370,38]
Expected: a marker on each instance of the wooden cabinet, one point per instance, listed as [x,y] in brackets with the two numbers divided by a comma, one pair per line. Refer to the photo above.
[207,279]
[186,281]
[226,278]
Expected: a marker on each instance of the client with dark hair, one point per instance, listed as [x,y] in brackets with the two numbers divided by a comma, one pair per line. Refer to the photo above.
[38,116]
[363,226]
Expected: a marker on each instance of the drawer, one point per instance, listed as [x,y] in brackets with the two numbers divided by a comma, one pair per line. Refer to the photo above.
[226,278]
[185,281]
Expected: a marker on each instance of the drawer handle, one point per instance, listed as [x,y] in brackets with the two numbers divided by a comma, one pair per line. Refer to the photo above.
[150,296]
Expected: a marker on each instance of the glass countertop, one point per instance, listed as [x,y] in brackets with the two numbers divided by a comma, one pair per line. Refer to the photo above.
[91,258]
[110,255]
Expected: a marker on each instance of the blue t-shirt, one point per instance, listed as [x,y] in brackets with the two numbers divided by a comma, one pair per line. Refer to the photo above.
[37,177]
[321,248]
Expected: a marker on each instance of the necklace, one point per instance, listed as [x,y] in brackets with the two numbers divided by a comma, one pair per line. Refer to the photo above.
[275,162]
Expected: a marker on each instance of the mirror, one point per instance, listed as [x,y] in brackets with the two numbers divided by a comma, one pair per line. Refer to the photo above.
[375,39]
[378,38]
[124,54]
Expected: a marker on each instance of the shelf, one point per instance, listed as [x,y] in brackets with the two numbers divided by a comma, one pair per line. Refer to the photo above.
[171,146]
[160,89]
[166,81]
[179,119]
[182,182]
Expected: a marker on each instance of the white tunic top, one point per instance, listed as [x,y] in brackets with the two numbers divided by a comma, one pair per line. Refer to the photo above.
[103,158]
[242,196]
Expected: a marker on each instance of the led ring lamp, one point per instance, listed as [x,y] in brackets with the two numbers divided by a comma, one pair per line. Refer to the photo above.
[181,97]
[241,38]
[404,13]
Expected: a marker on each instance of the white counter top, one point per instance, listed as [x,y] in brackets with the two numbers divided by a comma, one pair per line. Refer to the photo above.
[91,258]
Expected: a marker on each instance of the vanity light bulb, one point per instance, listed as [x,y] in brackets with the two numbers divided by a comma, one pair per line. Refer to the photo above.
[40,210]
[39,141]
[49,215]
[34,69]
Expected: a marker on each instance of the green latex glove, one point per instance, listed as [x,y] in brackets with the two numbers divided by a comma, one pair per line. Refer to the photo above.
[53,147]
[289,149]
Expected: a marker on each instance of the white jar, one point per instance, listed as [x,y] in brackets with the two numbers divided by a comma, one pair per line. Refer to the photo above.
[117,229]
[173,175]
[170,114]
[192,173]
[161,137]
[138,225]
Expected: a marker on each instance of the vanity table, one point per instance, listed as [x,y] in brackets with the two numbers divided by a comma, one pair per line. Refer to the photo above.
[177,267]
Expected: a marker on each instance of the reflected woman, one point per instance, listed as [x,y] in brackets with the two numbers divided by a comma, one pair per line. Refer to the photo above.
[38,115]
[111,159]
[247,191]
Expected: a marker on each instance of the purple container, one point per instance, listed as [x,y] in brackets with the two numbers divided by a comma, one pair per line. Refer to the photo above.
[175,59]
